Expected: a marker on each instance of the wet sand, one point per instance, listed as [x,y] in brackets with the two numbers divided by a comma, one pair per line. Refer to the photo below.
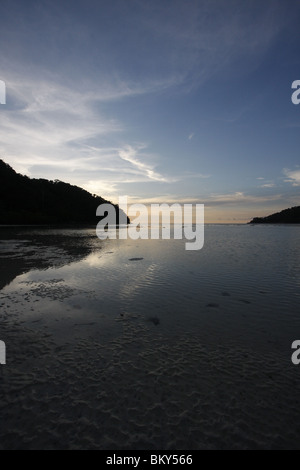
[125,381]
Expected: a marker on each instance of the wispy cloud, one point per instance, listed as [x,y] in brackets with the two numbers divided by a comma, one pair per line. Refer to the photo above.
[169,198]
[66,117]
[189,174]
[209,36]
[48,128]
[239,198]
[185,44]
[129,154]
[104,188]
[48,123]
[268,185]
[293,176]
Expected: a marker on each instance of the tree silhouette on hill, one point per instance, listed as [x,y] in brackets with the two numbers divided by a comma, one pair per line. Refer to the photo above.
[38,201]
[287,216]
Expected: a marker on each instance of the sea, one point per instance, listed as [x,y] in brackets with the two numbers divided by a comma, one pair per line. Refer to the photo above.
[141,344]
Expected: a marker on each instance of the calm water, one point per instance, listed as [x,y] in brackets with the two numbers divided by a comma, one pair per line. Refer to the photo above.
[218,323]
[245,276]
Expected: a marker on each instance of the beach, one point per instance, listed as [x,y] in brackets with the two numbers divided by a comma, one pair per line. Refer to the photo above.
[123,344]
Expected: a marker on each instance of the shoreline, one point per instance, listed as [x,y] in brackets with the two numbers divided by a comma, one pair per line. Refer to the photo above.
[169,351]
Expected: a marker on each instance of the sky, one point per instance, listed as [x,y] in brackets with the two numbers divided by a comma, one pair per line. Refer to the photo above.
[185,101]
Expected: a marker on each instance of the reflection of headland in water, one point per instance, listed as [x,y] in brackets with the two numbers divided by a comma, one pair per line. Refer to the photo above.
[24,249]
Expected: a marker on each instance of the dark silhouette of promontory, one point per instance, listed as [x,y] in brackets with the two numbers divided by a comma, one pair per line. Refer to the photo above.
[26,201]
[287,216]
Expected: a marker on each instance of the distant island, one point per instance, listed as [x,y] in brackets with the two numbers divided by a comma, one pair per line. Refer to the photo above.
[26,201]
[287,216]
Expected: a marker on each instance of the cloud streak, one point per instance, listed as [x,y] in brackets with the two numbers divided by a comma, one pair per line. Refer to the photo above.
[50,130]
[129,154]
[293,176]
[239,198]
[268,185]
[209,36]
[86,85]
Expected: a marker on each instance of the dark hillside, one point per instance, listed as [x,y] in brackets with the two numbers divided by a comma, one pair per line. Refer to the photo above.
[39,201]
[287,216]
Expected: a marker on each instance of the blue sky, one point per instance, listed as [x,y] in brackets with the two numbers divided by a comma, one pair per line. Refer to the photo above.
[163,101]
